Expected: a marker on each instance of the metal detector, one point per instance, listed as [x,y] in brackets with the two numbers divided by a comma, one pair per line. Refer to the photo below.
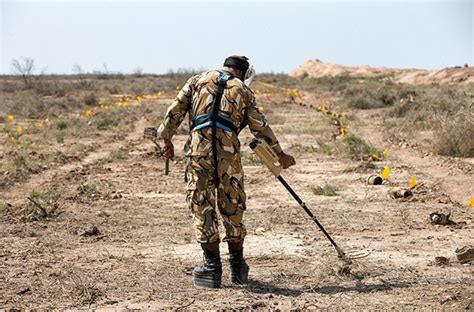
[268,156]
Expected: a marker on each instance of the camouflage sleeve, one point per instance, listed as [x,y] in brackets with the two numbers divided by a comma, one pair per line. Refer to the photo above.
[259,126]
[177,111]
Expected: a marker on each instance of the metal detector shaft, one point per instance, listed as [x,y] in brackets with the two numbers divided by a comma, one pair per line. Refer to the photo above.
[310,214]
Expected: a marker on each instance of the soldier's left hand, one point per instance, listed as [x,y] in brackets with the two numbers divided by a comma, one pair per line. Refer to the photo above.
[286,161]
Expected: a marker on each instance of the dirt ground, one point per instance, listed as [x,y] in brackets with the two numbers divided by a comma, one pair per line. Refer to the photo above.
[129,243]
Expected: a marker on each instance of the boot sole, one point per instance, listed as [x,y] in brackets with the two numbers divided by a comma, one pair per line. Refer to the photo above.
[206,281]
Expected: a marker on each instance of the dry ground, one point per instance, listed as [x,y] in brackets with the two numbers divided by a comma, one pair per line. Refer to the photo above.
[143,251]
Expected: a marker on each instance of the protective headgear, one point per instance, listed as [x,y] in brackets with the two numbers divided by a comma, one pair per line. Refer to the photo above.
[249,75]
[241,63]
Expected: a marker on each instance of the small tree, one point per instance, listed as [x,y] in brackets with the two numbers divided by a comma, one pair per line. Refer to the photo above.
[24,67]
[84,83]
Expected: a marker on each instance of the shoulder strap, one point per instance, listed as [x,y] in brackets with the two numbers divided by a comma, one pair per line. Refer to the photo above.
[223,78]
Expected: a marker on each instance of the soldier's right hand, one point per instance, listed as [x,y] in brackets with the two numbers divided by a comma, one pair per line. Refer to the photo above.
[286,161]
[168,149]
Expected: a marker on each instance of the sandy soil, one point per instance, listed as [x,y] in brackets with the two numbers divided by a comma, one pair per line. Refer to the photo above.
[143,251]
[453,75]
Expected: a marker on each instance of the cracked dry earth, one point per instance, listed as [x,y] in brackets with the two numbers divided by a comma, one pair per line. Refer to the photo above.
[141,252]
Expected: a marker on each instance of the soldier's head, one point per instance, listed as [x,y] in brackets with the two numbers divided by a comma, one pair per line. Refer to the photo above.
[239,63]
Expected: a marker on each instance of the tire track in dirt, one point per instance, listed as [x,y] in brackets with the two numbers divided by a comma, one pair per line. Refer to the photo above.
[14,194]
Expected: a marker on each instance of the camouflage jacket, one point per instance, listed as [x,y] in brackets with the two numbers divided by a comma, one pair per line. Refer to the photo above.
[238,102]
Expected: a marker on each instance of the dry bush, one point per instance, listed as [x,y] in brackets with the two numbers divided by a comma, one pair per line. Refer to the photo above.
[42,205]
[456,135]
[445,109]
[30,105]
[429,101]
[365,96]
[90,99]
[51,87]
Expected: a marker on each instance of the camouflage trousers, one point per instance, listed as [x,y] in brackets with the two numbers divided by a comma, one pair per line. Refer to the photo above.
[205,202]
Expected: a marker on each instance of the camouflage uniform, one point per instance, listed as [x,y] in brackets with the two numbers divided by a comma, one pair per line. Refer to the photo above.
[238,103]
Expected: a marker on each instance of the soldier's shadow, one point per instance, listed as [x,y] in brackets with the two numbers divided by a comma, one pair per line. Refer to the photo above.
[259,287]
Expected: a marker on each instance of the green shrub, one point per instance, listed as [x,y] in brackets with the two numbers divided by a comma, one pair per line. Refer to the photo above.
[107,122]
[61,125]
[90,99]
[325,189]
[88,189]
[358,148]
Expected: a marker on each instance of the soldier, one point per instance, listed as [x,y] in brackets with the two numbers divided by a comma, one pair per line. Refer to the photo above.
[220,105]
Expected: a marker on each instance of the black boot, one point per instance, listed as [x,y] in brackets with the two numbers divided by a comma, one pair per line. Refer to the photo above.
[239,269]
[209,275]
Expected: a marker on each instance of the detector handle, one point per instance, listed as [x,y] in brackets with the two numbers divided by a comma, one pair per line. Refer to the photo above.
[267,155]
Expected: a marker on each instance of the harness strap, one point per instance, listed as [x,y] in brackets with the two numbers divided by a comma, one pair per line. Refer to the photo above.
[206,120]
[223,77]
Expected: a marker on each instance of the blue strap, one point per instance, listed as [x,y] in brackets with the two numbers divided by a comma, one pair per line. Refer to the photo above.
[200,117]
[223,77]
[209,123]
[209,120]
[203,116]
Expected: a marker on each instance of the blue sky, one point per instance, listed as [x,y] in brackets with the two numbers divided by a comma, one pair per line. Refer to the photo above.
[277,36]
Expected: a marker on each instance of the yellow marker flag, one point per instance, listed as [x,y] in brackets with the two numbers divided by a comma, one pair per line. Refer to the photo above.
[471,204]
[385,173]
[412,182]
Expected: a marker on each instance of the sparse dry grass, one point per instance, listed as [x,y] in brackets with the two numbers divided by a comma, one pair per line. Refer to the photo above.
[325,189]
[445,109]
[46,129]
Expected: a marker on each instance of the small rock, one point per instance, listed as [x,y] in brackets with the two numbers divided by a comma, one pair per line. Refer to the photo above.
[103,214]
[23,291]
[93,231]
[441,218]
[441,261]
[465,254]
